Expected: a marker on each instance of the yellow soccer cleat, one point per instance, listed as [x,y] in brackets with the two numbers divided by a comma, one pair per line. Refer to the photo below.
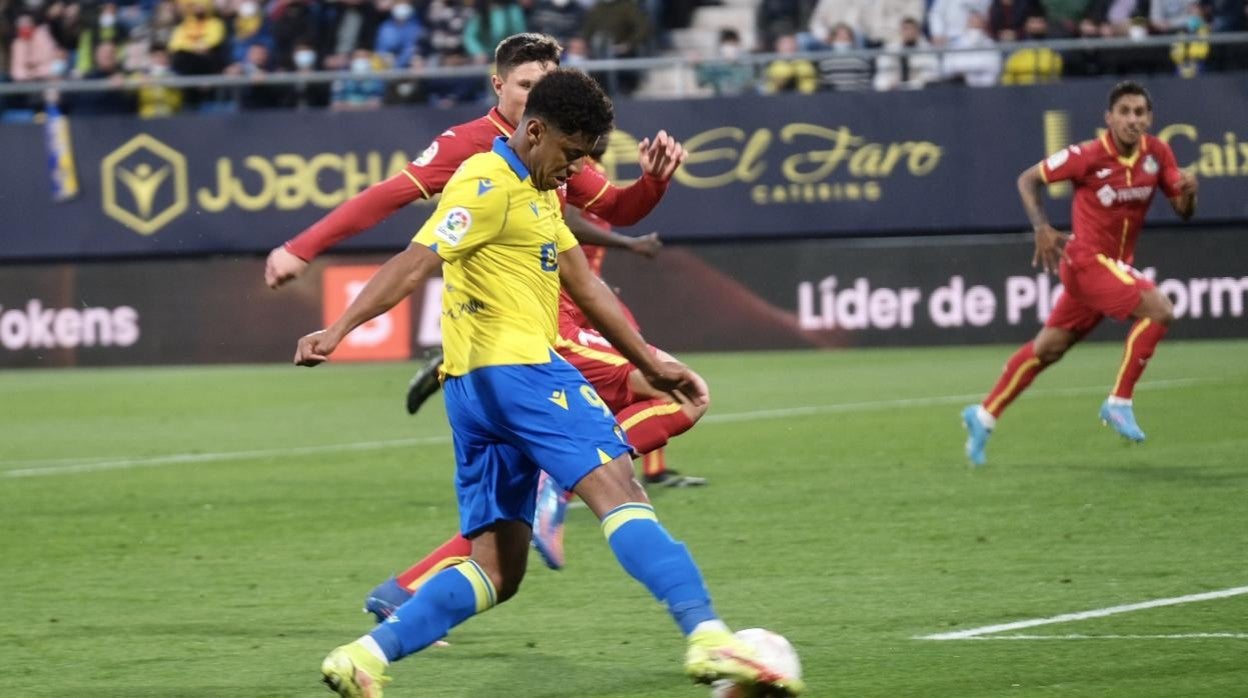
[353,672]
[717,654]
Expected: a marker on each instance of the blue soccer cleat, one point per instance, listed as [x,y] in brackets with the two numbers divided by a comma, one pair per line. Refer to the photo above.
[552,508]
[385,599]
[976,435]
[1122,419]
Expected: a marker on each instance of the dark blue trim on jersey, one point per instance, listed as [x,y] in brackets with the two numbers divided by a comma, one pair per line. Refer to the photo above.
[504,150]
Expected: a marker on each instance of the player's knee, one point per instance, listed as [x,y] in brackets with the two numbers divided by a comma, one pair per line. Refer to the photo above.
[506,583]
[694,411]
[1050,353]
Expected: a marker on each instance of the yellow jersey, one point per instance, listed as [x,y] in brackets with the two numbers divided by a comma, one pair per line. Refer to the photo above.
[499,239]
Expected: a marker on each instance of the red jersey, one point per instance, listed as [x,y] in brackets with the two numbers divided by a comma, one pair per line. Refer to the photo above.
[428,174]
[1112,193]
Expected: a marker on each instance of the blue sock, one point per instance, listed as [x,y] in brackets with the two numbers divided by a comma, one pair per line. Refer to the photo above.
[663,565]
[451,597]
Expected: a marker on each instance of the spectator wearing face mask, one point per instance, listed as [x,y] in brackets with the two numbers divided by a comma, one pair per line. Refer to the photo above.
[250,29]
[359,92]
[562,19]
[198,42]
[842,71]
[303,95]
[32,52]
[726,74]
[980,68]
[896,70]
[399,37]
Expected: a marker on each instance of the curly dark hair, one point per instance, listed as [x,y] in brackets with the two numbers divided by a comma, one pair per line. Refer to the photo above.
[572,102]
[1129,87]
[529,47]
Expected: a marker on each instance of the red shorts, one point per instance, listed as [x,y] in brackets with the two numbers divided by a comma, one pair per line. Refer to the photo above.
[1096,286]
[605,368]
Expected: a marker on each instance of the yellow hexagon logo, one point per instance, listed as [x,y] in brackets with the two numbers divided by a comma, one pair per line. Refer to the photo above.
[153,179]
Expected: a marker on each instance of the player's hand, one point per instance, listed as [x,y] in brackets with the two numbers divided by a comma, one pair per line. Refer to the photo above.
[647,245]
[660,157]
[1187,181]
[676,379]
[1049,244]
[315,348]
[282,266]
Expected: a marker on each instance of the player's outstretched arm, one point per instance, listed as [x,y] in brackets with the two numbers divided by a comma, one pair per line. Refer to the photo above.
[359,213]
[659,158]
[589,234]
[396,280]
[603,310]
[1049,241]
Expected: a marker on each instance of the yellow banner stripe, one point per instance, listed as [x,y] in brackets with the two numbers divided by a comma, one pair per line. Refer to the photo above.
[415,181]
[656,411]
[1126,355]
[482,587]
[1009,389]
[581,350]
[623,514]
[1117,271]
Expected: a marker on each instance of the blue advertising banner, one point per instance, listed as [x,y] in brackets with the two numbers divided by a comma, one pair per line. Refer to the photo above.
[938,161]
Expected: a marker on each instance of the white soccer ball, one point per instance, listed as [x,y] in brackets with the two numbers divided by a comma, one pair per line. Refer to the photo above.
[774,651]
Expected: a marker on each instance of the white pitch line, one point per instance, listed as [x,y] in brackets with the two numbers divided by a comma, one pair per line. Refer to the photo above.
[66,466]
[180,458]
[974,633]
[1176,636]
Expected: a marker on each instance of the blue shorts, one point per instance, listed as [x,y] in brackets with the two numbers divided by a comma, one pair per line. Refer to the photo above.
[509,421]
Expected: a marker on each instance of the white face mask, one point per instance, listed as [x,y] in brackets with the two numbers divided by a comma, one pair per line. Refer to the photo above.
[1137,32]
[157,70]
[305,58]
[729,51]
[57,67]
[248,9]
[401,12]
[108,21]
[974,34]
[841,46]
[560,3]
[360,66]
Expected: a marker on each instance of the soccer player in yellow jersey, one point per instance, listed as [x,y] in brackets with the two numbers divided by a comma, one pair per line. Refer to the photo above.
[515,406]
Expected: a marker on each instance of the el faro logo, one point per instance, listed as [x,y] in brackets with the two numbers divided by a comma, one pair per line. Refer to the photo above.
[144,184]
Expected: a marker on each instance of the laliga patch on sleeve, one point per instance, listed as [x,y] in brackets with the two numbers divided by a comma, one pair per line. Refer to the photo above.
[454,225]
[1057,159]
[427,157]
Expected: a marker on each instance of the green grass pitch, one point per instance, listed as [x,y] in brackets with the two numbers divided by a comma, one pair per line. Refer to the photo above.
[212,531]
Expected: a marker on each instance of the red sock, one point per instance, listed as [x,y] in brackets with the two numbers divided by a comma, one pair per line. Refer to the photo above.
[1019,372]
[653,463]
[1141,343]
[651,423]
[452,552]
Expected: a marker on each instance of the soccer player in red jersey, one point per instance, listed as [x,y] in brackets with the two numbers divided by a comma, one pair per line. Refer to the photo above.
[1115,177]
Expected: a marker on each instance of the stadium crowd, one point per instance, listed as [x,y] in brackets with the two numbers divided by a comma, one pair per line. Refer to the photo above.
[123,41]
